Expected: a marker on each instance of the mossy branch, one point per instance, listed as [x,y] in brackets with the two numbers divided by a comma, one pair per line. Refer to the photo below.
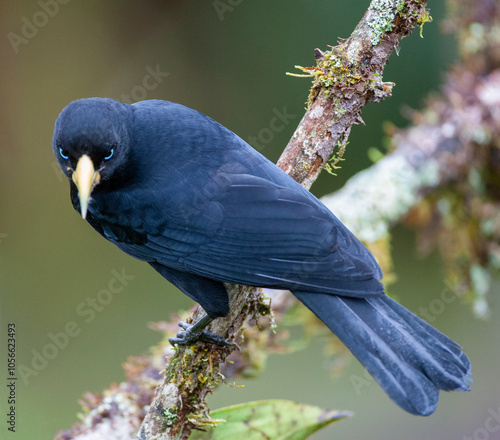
[349,77]
[346,78]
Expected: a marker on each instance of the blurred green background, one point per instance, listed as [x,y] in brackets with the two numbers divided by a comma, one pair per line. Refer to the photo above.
[230,65]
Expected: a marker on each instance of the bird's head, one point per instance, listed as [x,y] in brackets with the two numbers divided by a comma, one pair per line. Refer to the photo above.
[91,142]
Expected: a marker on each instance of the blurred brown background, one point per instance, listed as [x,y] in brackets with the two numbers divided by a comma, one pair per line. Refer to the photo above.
[229,63]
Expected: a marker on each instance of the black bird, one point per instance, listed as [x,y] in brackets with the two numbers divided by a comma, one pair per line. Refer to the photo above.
[170,186]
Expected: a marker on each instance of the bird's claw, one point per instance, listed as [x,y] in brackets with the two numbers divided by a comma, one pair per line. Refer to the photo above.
[191,335]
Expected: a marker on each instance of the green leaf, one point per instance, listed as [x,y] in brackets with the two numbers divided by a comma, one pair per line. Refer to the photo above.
[268,420]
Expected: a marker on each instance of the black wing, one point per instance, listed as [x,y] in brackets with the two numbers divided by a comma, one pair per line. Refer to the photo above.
[217,208]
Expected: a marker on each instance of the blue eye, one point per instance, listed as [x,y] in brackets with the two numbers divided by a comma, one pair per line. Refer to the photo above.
[63,153]
[110,155]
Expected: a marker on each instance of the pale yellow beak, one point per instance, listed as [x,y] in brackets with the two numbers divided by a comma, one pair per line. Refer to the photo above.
[85,178]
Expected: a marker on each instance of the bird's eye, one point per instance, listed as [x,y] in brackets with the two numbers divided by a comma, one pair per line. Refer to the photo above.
[63,153]
[110,154]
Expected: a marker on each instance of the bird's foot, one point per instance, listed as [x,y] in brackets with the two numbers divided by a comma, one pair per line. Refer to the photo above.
[196,332]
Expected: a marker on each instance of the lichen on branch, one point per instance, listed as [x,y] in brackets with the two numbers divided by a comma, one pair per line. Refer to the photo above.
[346,78]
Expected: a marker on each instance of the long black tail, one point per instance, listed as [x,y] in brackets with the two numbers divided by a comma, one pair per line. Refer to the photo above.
[409,358]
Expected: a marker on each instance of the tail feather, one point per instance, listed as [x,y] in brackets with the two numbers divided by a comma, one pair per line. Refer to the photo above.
[409,358]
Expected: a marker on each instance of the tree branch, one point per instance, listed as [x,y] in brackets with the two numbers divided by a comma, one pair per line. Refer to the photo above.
[346,79]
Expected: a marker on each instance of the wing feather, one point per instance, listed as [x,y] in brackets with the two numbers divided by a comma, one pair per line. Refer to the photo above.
[211,205]
[270,236]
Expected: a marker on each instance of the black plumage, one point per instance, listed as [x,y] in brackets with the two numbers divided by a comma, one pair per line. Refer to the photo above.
[170,186]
